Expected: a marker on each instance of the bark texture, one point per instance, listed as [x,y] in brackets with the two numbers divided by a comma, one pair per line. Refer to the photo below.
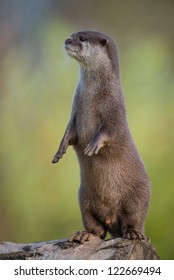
[97,249]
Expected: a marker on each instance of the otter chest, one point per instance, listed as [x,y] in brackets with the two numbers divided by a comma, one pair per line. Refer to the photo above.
[87,116]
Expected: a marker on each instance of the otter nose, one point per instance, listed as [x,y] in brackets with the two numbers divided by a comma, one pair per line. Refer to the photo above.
[68,41]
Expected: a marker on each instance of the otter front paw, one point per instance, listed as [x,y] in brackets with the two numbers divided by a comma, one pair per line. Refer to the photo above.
[82,236]
[91,149]
[57,156]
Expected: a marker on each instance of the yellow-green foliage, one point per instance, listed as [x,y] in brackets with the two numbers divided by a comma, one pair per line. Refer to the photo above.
[38,200]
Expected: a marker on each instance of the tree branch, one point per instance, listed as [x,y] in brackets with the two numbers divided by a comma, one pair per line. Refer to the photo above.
[97,249]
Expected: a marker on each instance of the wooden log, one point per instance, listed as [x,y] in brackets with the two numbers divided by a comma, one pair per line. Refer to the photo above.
[97,249]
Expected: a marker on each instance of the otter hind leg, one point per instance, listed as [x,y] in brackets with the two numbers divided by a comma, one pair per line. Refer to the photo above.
[132,233]
[93,229]
[82,236]
[132,227]
[128,226]
[129,233]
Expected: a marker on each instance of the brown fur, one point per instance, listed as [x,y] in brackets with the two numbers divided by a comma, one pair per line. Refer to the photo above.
[114,191]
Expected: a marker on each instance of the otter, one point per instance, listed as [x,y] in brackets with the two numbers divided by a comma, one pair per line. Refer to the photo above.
[115,188]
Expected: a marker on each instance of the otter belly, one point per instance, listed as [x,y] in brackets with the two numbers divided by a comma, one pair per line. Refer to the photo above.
[100,178]
[108,182]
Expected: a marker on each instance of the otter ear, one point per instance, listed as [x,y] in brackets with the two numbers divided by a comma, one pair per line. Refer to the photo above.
[103,42]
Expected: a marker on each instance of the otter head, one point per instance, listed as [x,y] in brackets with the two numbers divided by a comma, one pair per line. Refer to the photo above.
[90,49]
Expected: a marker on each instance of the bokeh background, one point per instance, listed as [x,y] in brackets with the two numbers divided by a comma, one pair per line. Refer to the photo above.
[38,200]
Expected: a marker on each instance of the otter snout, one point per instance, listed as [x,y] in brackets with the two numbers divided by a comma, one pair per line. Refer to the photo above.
[72,47]
[68,41]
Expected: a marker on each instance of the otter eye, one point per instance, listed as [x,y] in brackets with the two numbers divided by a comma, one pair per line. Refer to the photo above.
[103,42]
[83,39]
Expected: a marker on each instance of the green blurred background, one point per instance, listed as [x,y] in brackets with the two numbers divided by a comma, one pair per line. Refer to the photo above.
[38,200]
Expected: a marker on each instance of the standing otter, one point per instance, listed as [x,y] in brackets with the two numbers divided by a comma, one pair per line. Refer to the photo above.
[115,189]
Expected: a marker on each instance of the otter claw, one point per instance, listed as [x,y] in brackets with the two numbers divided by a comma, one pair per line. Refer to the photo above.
[82,236]
[134,235]
[91,149]
[57,157]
